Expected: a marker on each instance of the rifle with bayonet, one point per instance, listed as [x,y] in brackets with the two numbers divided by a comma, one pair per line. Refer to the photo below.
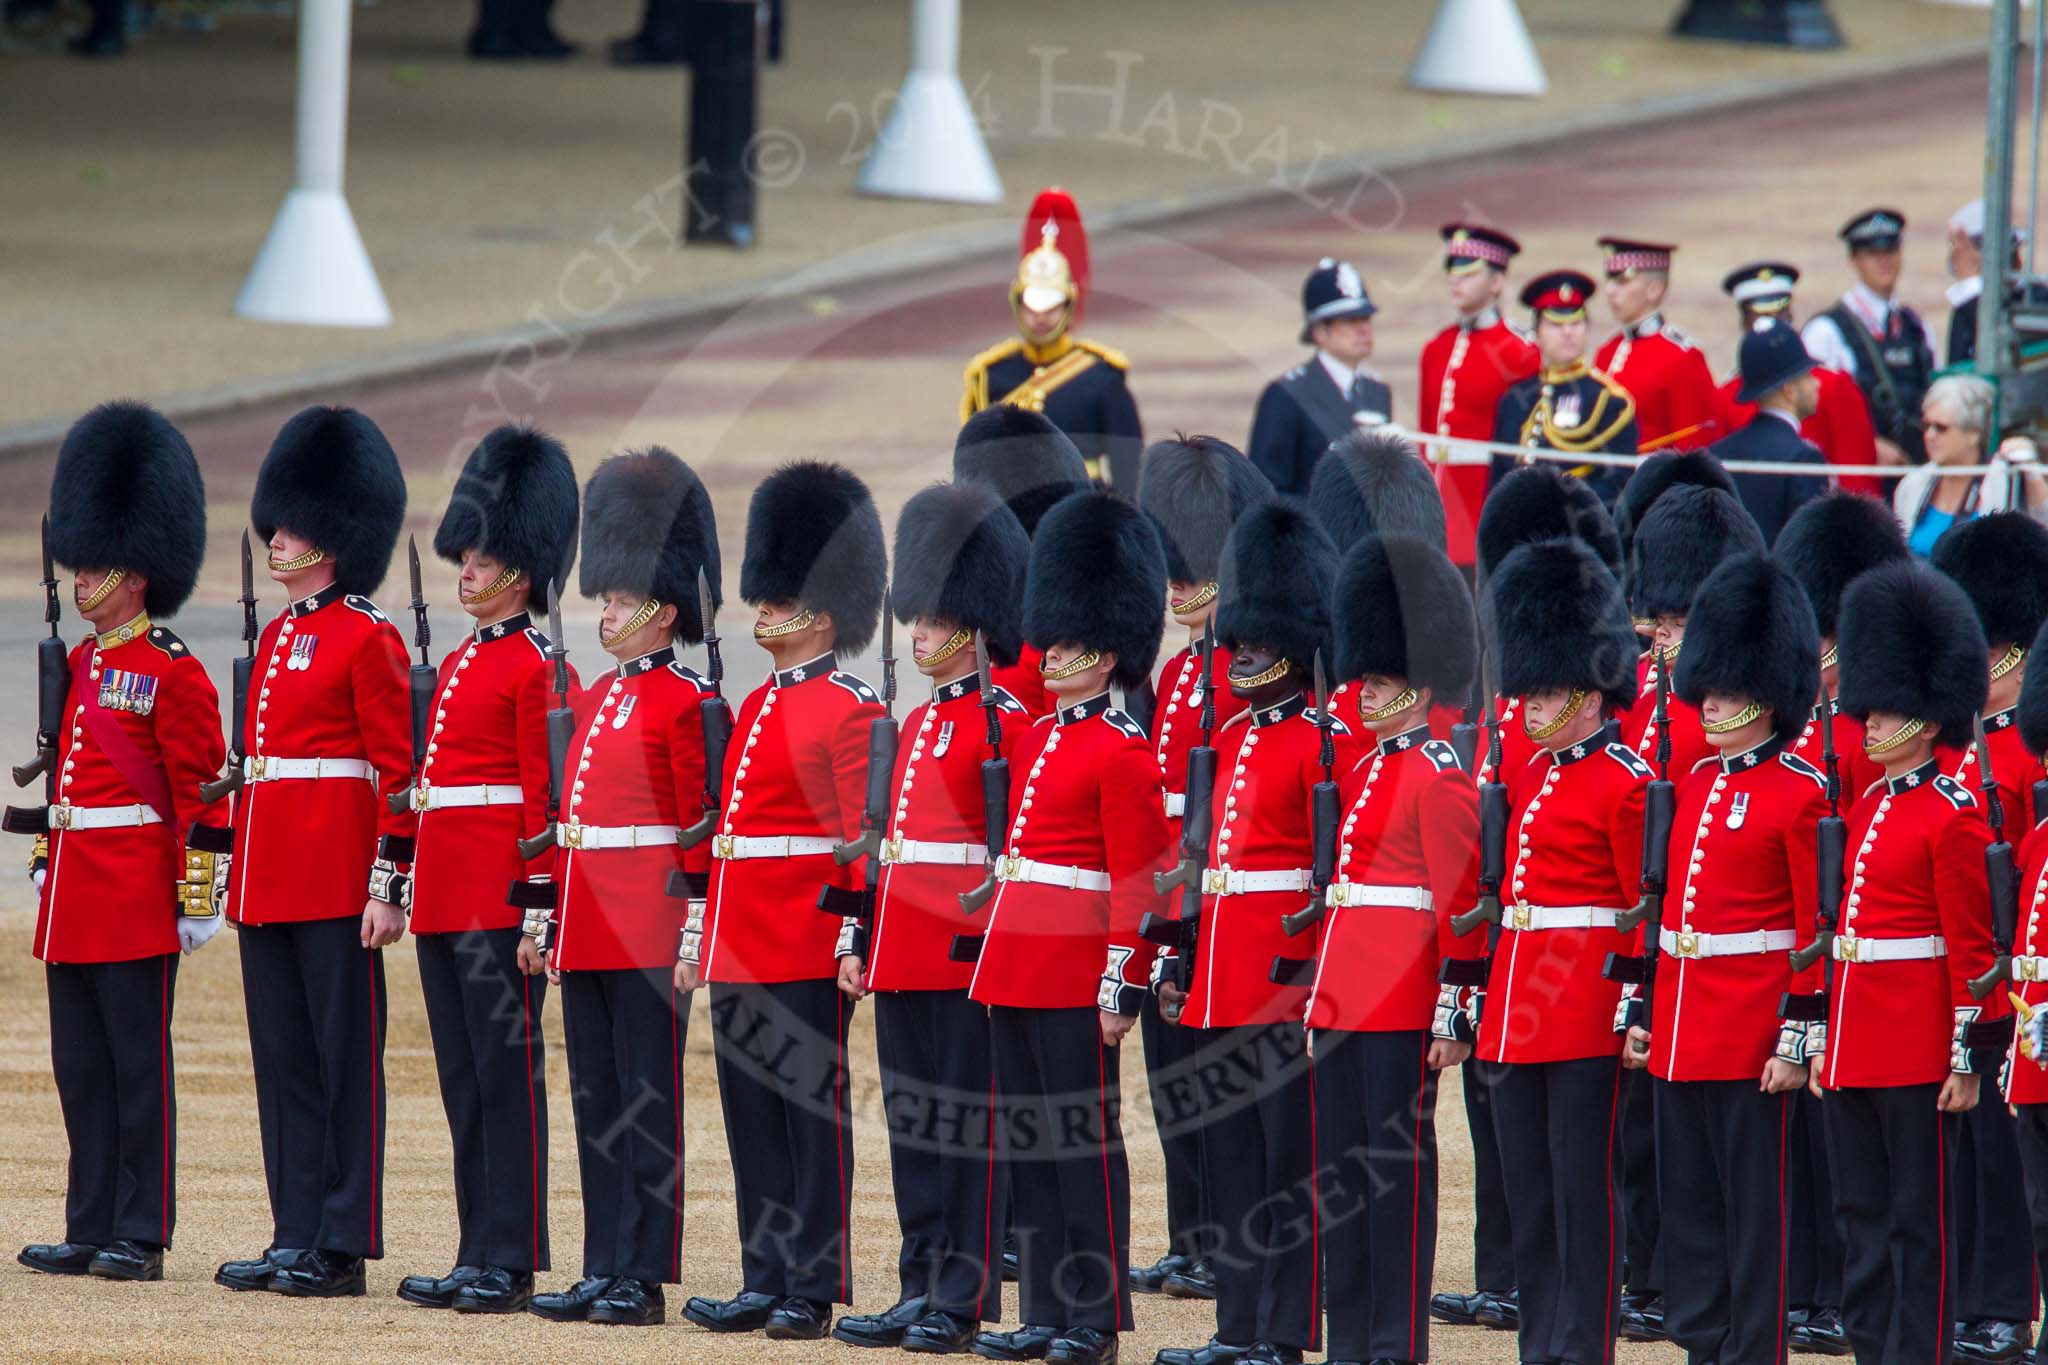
[1465,734]
[244,673]
[1999,873]
[1323,813]
[1493,818]
[53,685]
[1183,932]
[420,681]
[874,810]
[715,717]
[1660,802]
[995,786]
[1831,853]
[561,723]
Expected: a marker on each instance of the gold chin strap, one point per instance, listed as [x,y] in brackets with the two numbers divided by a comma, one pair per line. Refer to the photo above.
[304,561]
[1079,664]
[504,581]
[2014,657]
[801,621]
[1258,680]
[1734,722]
[1903,735]
[1409,696]
[1832,655]
[1563,718]
[633,623]
[104,590]
[961,639]
[1197,602]
[1668,654]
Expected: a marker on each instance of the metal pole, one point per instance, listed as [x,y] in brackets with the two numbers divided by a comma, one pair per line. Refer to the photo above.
[2034,158]
[1994,330]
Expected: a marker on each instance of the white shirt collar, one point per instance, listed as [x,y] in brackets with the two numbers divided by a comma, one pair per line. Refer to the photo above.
[1962,291]
[1874,308]
[1340,374]
[1783,416]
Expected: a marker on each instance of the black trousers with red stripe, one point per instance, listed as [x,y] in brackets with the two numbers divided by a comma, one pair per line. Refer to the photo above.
[1813,1257]
[484,1015]
[1376,1182]
[1894,1160]
[781,1053]
[2031,1131]
[1722,1148]
[1060,1134]
[110,1051]
[1557,1124]
[624,1033]
[316,1004]
[938,1095]
[1641,1214]
[1170,1077]
[1493,1248]
[1994,1246]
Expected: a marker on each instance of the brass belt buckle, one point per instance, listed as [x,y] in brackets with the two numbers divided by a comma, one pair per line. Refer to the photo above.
[2030,968]
[1519,917]
[256,765]
[1688,945]
[1846,948]
[1009,867]
[420,800]
[60,815]
[572,835]
[722,845]
[892,850]
[1215,881]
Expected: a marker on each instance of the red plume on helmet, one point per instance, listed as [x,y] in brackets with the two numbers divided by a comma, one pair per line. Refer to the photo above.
[1056,207]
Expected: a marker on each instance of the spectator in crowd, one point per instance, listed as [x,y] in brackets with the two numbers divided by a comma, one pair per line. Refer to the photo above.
[1956,419]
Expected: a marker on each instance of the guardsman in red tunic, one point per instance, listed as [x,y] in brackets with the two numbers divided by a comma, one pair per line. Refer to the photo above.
[2026,1073]
[1726,1051]
[1383,1024]
[2001,562]
[1907,1041]
[1557,623]
[1063,966]
[483,786]
[795,781]
[129,859]
[1659,365]
[1466,368]
[1031,464]
[317,889]
[632,777]
[1256,1121]
[960,564]
[1194,490]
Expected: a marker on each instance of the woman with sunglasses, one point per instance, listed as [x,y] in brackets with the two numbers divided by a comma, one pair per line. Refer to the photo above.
[1956,419]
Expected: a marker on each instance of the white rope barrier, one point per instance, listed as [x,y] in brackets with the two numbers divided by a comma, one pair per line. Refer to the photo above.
[1469,451]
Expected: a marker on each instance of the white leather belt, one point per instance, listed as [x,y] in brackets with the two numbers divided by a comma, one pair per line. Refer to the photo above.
[615,836]
[1851,948]
[1176,805]
[931,851]
[1681,944]
[64,815]
[426,796]
[1534,918]
[263,768]
[735,846]
[1218,881]
[1345,895]
[1011,868]
[2030,968]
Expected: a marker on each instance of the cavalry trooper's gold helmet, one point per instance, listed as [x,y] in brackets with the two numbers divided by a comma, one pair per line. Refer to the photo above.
[1054,267]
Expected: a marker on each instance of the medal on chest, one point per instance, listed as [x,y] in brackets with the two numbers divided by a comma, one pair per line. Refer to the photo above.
[121,690]
[1739,811]
[1569,409]
[945,740]
[625,711]
[302,652]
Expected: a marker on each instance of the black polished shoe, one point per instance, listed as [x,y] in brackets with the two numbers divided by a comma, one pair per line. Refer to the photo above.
[1272,1353]
[1992,1342]
[1082,1346]
[1012,1259]
[256,1273]
[497,1290]
[58,1258]
[1026,1343]
[1146,1279]
[437,1291]
[1195,1280]
[1642,1315]
[571,1304]
[879,1329]
[321,1274]
[938,1334]
[630,1303]
[746,1312]
[126,1260]
[797,1319]
[641,52]
[1500,1312]
[1215,1353]
[1822,1334]
[1459,1310]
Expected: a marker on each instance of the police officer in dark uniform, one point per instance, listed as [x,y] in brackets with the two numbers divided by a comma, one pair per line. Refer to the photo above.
[1567,405]
[1883,343]
[1777,376]
[1330,394]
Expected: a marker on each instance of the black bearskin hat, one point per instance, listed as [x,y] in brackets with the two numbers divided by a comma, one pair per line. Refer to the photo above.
[515,501]
[127,494]
[961,554]
[1403,611]
[1031,463]
[1683,536]
[1098,579]
[2001,562]
[331,477]
[2033,717]
[1555,618]
[647,528]
[814,536]
[1195,488]
[1751,635]
[1910,644]
[1374,483]
[1832,539]
[1657,475]
[1539,502]
[1276,574]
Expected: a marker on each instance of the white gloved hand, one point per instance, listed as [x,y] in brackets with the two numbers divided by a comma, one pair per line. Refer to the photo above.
[195,930]
[37,878]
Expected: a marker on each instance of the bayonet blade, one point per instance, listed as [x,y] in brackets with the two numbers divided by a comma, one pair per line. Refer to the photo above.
[988,693]
[49,566]
[1322,692]
[1983,746]
[707,617]
[557,651]
[412,565]
[888,651]
[248,572]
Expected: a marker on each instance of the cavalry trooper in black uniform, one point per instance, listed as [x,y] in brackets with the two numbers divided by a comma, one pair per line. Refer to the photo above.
[1329,395]
[1882,343]
[1077,383]
[1567,405]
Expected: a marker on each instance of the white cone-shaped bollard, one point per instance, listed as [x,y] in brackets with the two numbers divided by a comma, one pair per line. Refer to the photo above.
[313,268]
[931,145]
[1478,47]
